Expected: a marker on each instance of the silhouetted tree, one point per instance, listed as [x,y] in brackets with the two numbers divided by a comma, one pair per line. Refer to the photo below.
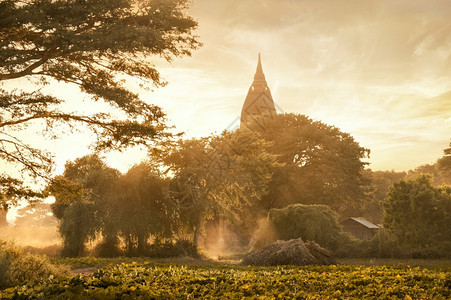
[35,215]
[444,163]
[92,44]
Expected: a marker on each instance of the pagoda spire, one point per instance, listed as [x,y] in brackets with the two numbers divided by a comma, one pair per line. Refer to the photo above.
[259,76]
[259,101]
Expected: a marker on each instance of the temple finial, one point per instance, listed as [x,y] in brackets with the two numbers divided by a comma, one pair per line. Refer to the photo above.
[259,75]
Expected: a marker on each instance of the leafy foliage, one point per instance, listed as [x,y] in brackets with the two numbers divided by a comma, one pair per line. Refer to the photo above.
[82,201]
[418,214]
[142,208]
[381,181]
[217,176]
[18,267]
[149,280]
[92,45]
[92,199]
[317,223]
[322,165]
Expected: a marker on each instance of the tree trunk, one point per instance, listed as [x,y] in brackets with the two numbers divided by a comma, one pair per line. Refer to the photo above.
[197,233]
[141,244]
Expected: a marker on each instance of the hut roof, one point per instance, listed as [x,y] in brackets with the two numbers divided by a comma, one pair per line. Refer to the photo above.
[363,222]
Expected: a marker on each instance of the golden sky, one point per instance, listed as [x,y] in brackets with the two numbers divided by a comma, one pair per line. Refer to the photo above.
[377,69]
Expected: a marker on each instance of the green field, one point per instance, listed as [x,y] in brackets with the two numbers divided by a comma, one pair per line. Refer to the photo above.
[186,279]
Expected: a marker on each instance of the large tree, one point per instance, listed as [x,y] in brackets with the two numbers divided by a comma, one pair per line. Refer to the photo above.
[321,164]
[92,44]
[83,203]
[217,176]
[143,208]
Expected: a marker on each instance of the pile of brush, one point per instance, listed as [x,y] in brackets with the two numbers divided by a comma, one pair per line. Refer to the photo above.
[292,252]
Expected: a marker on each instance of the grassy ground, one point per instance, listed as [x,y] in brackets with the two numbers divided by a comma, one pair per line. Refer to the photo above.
[423,263]
[185,278]
[98,262]
[130,278]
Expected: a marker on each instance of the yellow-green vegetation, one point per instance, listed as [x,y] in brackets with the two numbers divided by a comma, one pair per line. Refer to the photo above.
[17,266]
[146,279]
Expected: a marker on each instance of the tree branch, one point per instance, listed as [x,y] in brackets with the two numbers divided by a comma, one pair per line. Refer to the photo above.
[27,71]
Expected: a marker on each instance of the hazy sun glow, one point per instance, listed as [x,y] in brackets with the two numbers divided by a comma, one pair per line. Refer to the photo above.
[380,70]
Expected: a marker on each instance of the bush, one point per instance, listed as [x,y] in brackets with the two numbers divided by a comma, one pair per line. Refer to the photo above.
[317,223]
[439,251]
[350,247]
[17,266]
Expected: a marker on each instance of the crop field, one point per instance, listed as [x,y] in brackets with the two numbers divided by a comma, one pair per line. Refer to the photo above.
[140,278]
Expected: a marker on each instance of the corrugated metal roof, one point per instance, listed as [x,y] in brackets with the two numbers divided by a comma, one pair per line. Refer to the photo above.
[365,223]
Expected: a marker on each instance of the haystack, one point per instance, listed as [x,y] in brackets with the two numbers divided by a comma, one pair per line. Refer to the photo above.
[324,256]
[292,252]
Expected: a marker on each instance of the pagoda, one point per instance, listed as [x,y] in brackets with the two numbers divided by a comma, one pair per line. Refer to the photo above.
[259,100]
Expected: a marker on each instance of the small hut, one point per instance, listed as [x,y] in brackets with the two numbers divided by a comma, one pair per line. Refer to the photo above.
[360,228]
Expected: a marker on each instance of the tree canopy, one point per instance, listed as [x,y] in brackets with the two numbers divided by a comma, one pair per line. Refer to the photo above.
[320,164]
[83,201]
[92,44]
[142,208]
[217,176]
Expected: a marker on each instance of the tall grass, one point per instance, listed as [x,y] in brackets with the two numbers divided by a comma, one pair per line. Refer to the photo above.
[18,266]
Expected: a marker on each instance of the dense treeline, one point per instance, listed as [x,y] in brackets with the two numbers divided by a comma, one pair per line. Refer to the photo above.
[304,188]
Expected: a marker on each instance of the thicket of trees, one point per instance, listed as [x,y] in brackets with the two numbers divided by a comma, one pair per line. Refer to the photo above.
[418,215]
[228,178]
[215,177]
[93,200]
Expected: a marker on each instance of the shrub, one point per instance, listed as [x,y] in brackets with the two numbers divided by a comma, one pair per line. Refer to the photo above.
[317,223]
[17,266]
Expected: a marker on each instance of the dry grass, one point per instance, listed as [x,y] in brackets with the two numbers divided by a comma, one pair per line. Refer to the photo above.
[324,256]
